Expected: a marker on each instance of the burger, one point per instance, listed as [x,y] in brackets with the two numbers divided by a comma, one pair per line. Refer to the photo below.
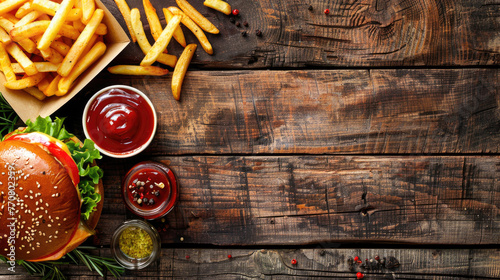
[50,191]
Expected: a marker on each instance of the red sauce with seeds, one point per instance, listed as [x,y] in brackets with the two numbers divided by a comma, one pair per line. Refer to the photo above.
[150,190]
[120,121]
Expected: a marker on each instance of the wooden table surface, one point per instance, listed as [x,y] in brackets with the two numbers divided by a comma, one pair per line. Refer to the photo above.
[373,130]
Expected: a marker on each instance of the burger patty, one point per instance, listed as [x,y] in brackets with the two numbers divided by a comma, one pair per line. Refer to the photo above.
[38,202]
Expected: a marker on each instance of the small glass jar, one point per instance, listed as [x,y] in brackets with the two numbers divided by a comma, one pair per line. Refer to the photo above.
[124,234]
[150,190]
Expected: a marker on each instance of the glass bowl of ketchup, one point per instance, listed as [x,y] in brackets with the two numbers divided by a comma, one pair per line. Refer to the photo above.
[121,121]
[150,190]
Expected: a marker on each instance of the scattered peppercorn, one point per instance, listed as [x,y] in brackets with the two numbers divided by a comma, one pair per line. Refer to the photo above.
[232,20]
[145,200]
[245,23]
[360,275]
[238,24]
[294,261]
[258,32]
[236,12]
[327,11]
[243,33]
[310,8]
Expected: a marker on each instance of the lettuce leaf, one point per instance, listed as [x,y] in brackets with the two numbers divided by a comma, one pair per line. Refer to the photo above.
[83,156]
[46,125]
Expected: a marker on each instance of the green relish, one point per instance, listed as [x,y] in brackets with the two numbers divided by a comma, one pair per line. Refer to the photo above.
[135,243]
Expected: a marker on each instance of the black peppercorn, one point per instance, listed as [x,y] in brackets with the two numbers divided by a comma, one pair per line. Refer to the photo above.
[232,20]
[392,262]
[245,23]
[310,8]
[258,32]
[238,24]
[145,200]
[244,33]
[151,201]
[157,193]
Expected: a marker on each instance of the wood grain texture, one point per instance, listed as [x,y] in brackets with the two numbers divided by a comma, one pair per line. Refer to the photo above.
[355,33]
[297,200]
[321,263]
[320,111]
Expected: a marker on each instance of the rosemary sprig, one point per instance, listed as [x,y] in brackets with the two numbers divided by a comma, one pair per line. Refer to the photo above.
[50,269]
[8,117]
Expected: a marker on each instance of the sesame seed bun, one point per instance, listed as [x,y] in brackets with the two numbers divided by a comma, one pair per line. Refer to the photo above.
[46,207]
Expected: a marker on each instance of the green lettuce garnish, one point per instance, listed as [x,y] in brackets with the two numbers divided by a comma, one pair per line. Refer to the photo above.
[83,156]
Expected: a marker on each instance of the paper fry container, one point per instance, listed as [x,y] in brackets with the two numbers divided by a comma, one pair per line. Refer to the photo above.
[28,107]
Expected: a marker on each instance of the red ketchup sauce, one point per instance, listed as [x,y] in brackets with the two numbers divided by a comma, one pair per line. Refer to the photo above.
[150,190]
[120,121]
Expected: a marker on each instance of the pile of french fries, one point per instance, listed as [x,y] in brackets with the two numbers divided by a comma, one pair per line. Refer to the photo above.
[174,16]
[45,45]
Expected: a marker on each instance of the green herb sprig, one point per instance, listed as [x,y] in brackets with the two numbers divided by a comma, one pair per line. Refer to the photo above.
[8,117]
[51,270]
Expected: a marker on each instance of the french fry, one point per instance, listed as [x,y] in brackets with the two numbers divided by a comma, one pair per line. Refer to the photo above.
[52,88]
[26,44]
[39,27]
[74,14]
[191,25]
[69,31]
[84,63]
[161,44]
[180,70]
[46,54]
[6,65]
[40,66]
[202,21]
[38,94]
[50,55]
[77,49]
[4,37]
[50,8]
[44,83]
[137,70]
[24,10]
[218,5]
[90,44]
[60,47]
[10,17]
[125,10]
[178,34]
[29,30]
[88,8]
[143,42]
[153,20]
[30,17]
[102,29]
[25,82]
[15,51]
[55,24]
[9,5]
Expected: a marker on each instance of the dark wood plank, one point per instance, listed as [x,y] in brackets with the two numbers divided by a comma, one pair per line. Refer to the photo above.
[320,111]
[320,262]
[296,200]
[355,33]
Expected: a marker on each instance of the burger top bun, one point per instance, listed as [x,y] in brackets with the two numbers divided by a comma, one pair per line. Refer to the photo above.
[41,214]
